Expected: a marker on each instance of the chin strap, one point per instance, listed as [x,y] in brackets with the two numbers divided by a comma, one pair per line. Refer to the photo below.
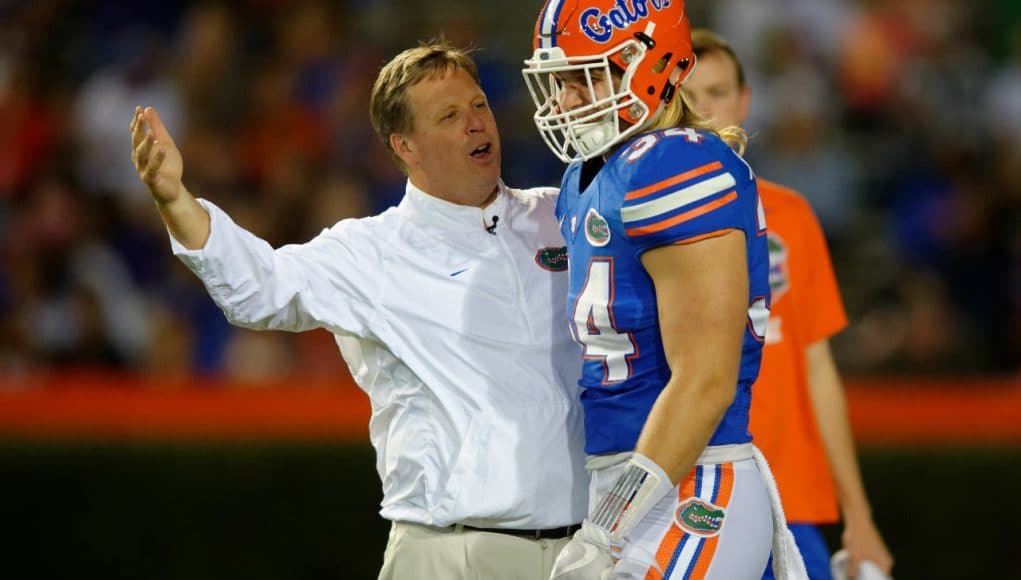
[593,136]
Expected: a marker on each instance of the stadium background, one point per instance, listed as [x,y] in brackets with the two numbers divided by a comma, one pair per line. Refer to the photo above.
[142,437]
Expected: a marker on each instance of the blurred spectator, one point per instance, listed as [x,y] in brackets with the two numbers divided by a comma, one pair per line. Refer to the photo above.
[72,297]
[29,119]
[259,356]
[804,149]
[913,328]
[900,120]
[138,76]
[209,52]
[1003,97]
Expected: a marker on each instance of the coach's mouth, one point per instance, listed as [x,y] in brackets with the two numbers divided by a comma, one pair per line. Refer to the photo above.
[482,152]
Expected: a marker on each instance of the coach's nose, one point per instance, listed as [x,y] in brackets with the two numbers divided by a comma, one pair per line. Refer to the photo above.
[476,122]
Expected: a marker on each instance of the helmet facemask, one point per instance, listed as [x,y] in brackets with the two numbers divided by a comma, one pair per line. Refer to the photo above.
[600,123]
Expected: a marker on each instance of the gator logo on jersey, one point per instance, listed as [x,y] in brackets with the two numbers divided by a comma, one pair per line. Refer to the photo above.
[552,259]
[597,231]
[779,273]
[699,518]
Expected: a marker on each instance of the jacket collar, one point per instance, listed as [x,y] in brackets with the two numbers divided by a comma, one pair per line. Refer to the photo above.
[422,206]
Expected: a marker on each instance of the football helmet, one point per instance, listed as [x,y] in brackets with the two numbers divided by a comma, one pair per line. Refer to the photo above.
[629,55]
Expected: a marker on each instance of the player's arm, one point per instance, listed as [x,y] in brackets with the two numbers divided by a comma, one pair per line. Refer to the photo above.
[159,166]
[702,292]
[861,538]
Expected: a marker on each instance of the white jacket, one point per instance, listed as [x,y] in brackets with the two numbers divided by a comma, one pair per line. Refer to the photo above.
[459,337]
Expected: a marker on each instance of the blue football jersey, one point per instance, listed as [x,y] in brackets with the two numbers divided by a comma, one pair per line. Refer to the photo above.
[662,188]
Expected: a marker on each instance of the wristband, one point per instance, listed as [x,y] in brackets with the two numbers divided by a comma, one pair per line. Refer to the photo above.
[638,489]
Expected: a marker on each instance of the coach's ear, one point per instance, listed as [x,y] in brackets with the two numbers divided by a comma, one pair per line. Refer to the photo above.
[404,148]
[744,103]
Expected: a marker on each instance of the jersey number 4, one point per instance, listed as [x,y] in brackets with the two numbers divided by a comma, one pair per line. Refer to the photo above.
[594,327]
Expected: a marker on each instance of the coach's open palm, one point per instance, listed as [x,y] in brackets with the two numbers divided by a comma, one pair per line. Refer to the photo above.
[159,166]
[156,157]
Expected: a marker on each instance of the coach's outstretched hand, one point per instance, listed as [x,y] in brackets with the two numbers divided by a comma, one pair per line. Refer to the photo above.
[160,167]
[156,157]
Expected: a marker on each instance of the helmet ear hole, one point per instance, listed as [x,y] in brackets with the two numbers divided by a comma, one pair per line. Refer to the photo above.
[660,66]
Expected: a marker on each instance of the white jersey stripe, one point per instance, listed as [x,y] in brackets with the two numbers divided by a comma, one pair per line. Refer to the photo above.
[679,198]
[549,23]
[708,483]
[761,215]
[685,557]
[758,314]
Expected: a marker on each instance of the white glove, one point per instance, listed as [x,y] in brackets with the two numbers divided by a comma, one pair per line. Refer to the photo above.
[593,551]
[588,556]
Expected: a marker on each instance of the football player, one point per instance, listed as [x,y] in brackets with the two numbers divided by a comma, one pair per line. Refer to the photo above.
[668,295]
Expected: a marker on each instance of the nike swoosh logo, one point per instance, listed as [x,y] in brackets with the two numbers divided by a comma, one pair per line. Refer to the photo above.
[461,271]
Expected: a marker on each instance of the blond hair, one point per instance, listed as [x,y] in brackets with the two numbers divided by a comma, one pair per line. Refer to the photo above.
[389,110]
[681,113]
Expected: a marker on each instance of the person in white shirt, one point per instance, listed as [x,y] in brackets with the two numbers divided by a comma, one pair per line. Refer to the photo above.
[448,310]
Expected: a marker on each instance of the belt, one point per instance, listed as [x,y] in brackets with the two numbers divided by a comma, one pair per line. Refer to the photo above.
[712,454]
[547,534]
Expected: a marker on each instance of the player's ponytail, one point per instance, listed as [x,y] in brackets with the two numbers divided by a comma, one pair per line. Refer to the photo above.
[681,113]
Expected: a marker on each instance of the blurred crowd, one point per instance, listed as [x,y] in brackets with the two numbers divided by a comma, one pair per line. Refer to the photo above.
[900,120]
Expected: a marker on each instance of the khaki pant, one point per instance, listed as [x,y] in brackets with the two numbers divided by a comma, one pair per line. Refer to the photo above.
[416,552]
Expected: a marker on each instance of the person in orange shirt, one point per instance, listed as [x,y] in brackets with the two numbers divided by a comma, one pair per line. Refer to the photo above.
[799,413]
